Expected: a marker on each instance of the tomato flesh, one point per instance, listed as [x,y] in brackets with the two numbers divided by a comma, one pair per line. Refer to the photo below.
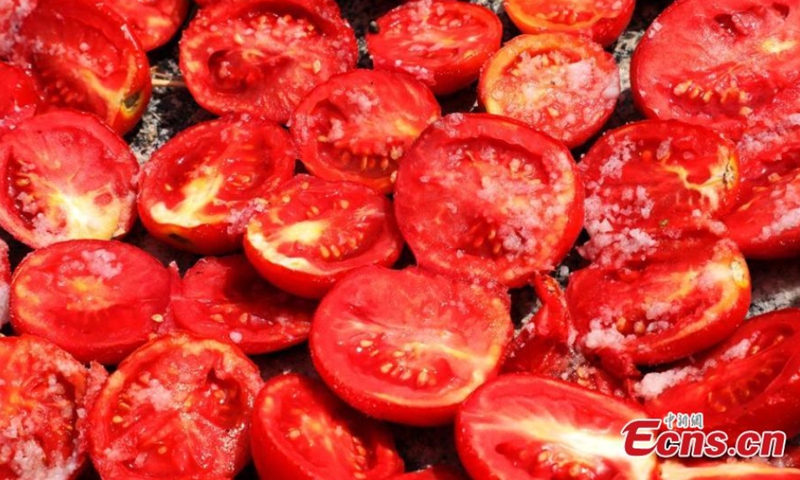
[153,22]
[19,100]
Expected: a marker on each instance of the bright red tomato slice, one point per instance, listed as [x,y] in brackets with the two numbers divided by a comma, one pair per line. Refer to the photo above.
[84,56]
[65,175]
[717,63]
[316,231]
[224,298]
[485,196]
[152,22]
[44,396]
[529,427]
[357,126]
[301,431]
[177,408]
[264,56]
[442,43]
[200,189]
[409,346]
[725,471]
[560,84]
[98,300]
[432,473]
[19,99]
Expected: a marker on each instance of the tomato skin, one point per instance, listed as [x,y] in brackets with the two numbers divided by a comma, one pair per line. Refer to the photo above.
[276,455]
[152,23]
[20,100]
[723,471]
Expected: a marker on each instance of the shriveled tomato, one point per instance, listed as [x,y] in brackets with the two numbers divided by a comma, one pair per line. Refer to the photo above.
[65,175]
[357,126]
[202,187]
[717,63]
[727,470]
[19,99]
[301,431]
[224,298]
[442,43]
[524,426]
[263,56]
[176,408]
[152,22]
[485,196]
[409,346]
[44,396]
[560,84]
[437,472]
[315,231]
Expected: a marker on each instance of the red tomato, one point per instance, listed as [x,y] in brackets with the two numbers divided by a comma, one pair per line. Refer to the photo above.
[177,408]
[560,84]
[315,231]
[357,126]
[264,56]
[98,300]
[65,175]
[5,283]
[725,471]
[717,63]
[601,20]
[84,57]
[524,426]
[44,396]
[152,22]
[409,346]
[440,42]
[432,473]
[224,298]
[301,431]
[200,189]
[485,196]
[19,99]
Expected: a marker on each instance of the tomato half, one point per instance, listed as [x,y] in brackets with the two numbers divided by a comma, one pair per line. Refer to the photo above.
[301,431]
[357,125]
[202,187]
[442,43]
[524,426]
[152,22]
[176,408]
[437,472]
[44,396]
[224,298]
[560,84]
[19,99]
[263,56]
[315,231]
[65,175]
[83,56]
[717,63]
[727,470]
[409,346]
[485,196]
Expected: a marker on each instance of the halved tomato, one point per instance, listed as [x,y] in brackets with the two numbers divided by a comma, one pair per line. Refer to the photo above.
[98,300]
[44,396]
[177,408]
[301,431]
[83,56]
[409,346]
[153,22]
[224,298]
[442,43]
[560,84]
[437,472]
[315,231]
[357,126]
[19,99]
[529,427]
[202,187]
[65,175]
[717,63]
[263,56]
[725,471]
[485,196]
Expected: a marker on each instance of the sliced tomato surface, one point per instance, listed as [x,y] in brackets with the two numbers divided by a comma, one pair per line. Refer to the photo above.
[717,63]
[357,125]
[315,231]
[524,426]
[65,175]
[152,22]
[44,397]
[176,408]
[98,300]
[560,84]
[301,431]
[5,283]
[485,196]
[200,189]
[442,43]
[226,299]
[409,346]
[437,472]
[263,56]
[726,470]
[19,99]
